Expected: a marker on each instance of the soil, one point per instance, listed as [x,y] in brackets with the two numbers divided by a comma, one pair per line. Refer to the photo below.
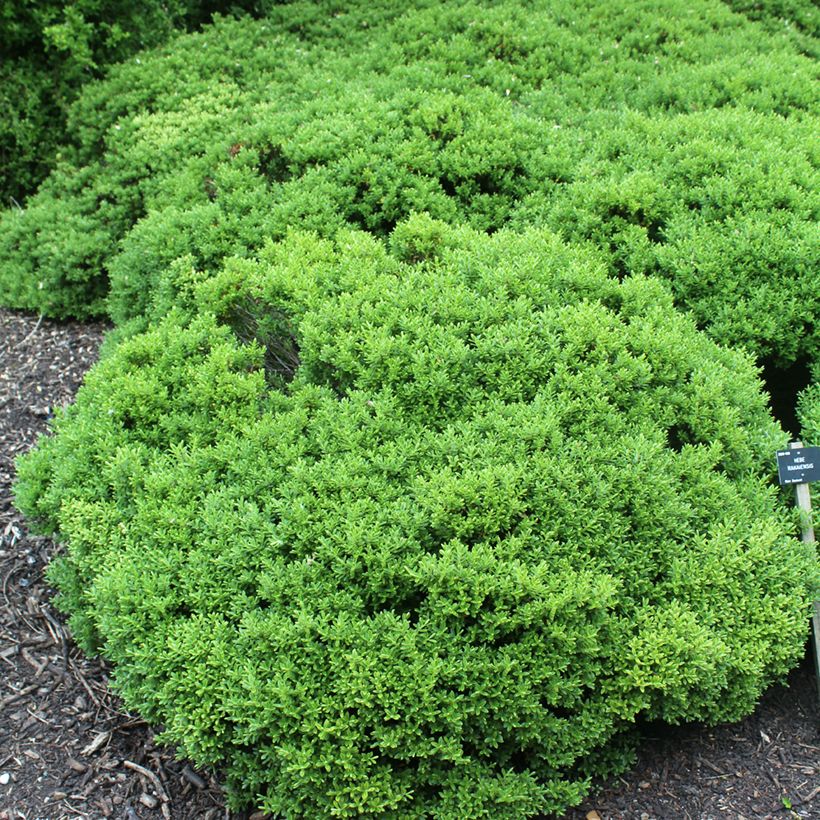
[68,748]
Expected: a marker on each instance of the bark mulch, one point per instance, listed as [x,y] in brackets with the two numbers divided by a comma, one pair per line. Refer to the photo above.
[68,748]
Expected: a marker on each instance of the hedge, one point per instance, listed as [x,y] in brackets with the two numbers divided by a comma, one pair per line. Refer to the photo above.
[420,528]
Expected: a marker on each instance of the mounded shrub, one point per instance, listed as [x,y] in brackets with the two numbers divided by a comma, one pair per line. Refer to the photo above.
[420,527]
[419,522]
[677,141]
[710,203]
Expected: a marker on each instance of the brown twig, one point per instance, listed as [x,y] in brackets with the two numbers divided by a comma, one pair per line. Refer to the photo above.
[9,699]
[712,766]
[79,677]
[155,782]
[31,332]
[808,798]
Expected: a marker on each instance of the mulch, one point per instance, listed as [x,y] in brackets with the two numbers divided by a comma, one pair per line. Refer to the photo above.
[69,749]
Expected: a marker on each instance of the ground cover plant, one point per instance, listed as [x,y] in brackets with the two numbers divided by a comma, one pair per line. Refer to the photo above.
[420,529]
[403,487]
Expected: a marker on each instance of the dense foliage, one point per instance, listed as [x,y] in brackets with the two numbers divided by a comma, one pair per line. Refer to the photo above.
[420,529]
[50,49]
[808,409]
[680,142]
[799,20]
[403,488]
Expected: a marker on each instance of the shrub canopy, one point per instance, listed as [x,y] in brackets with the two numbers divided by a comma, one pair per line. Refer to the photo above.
[420,528]
[680,142]
[51,49]
[799,20]
[403,489]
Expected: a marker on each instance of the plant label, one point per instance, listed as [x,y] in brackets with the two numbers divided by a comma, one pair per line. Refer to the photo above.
[798,466]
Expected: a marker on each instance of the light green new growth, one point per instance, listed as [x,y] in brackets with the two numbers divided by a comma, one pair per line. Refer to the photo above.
[430,541]
[426,457]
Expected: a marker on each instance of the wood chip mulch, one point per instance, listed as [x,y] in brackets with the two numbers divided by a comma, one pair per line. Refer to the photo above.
[68,748]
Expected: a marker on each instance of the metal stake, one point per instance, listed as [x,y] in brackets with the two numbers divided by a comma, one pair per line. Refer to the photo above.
[803,500]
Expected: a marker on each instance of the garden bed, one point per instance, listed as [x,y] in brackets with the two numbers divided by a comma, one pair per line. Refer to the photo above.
[69,750]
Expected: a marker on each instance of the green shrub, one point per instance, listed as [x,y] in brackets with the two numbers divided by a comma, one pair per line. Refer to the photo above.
[51,48]
[808,410]
[680,143]
[28,140]
[420,528]
[799,20]
[403,490]
[723,206]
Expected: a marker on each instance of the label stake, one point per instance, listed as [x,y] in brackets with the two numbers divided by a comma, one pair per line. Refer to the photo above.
[803,501]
